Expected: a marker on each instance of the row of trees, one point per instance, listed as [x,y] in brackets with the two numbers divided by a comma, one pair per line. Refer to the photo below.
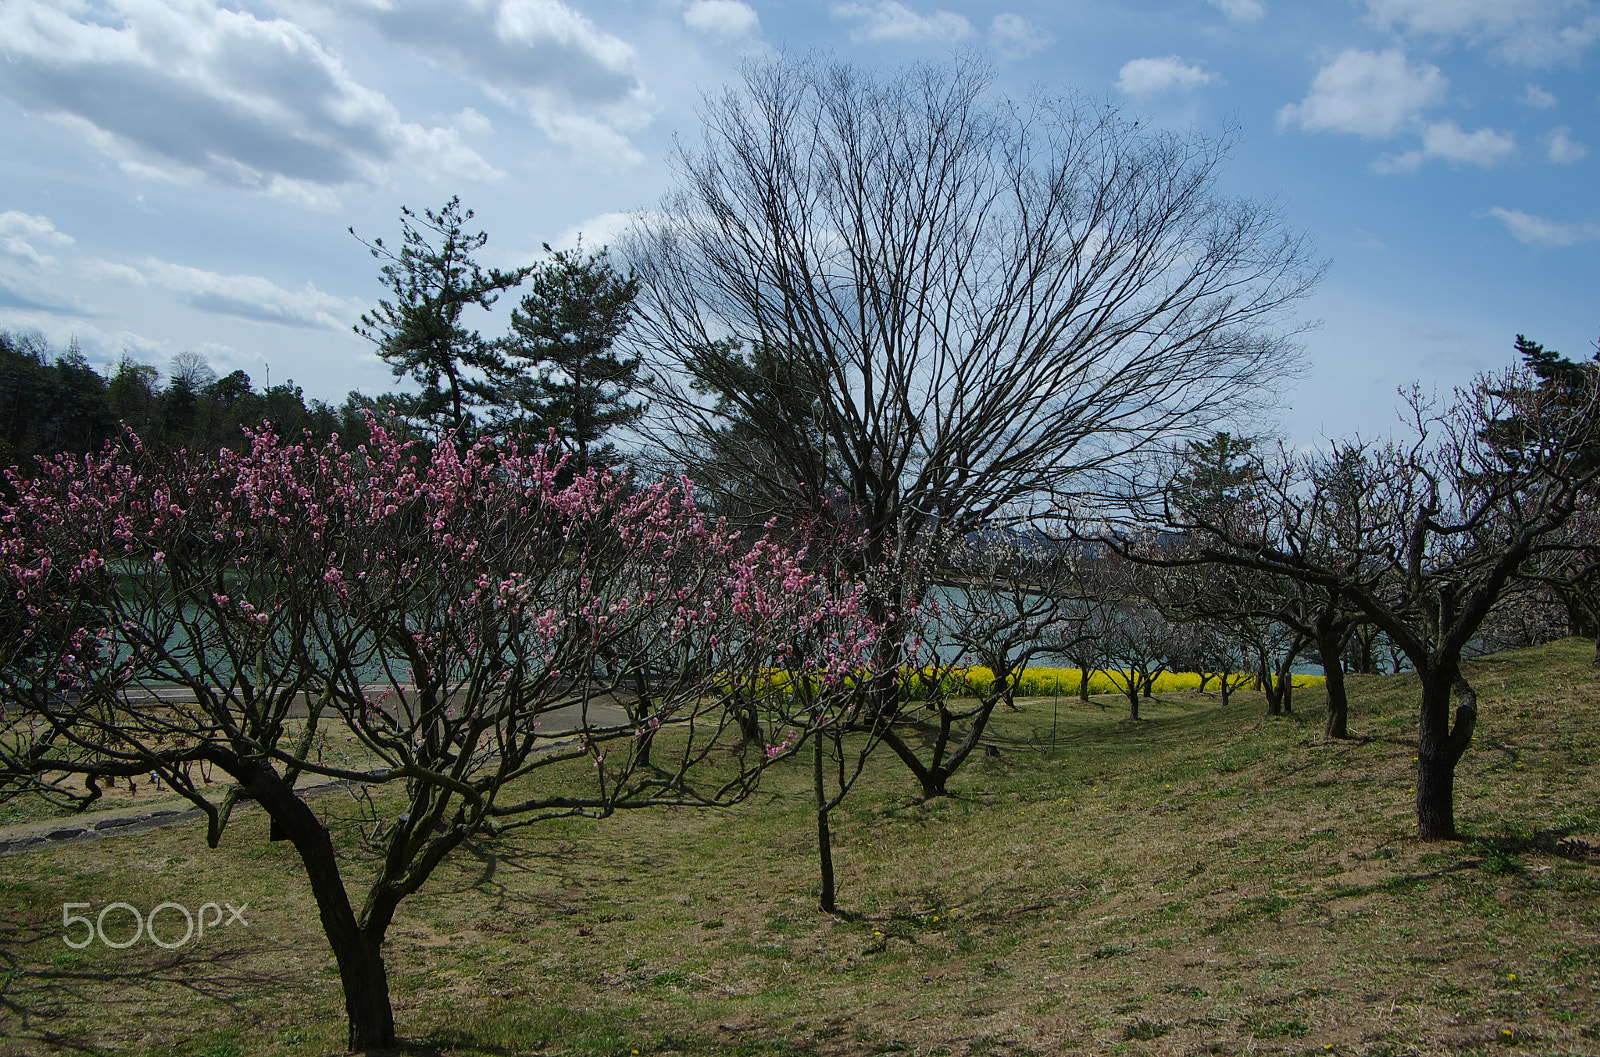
[55,402]
[952,370]
[1488,499]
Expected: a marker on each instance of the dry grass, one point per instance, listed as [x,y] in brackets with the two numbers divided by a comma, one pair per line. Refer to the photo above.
[1206,881]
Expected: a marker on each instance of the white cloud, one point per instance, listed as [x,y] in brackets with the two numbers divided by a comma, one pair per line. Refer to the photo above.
[247,296]
[1538,98]
[100,270]
[1484,147]
[598,232]
[1370,94]
[471,123]
[1169,73]
[575,81]
[21,234]
[1449,17]
[1407,162]
[1532,32]
[590,139]
[251,297]
[1447,141]
[1564,150]
[1240,10]
[1016,38]
[1538,231]
[26,283]
[889,20]
[722,19]
[187,90]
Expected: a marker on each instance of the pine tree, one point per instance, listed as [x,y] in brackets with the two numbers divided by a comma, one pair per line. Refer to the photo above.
[1217,478]
[432,278]
[565,330]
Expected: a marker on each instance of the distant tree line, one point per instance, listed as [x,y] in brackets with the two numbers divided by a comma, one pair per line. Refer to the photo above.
[556,369]
[53,401]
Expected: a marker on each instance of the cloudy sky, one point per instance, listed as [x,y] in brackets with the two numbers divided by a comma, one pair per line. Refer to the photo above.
[181,174]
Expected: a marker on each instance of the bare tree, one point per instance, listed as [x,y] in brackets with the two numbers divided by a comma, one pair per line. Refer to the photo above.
[1450,519]
[193,368]
[1133,640]
[1003,598]
[907,304]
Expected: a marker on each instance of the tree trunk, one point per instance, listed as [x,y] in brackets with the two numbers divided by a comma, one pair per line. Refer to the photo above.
[930,778]
[1338,721]
[356,950]
[1269,686]
[643,709]
[1133,697]
[1596,662]
[824,837]
[1363,658]
[945,766]
[1337,725]
[366,998]
[1583,617]
[1441,746]
[744,713]
[642,744]
[1083,680]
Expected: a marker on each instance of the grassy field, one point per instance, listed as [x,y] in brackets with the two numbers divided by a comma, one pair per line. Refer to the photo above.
[1205,881]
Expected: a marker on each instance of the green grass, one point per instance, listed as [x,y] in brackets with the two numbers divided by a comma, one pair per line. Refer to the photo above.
[1205,881]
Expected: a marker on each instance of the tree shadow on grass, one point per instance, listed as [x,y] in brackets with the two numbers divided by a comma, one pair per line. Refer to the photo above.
[69,1005]
[1500,849]
[534,1031]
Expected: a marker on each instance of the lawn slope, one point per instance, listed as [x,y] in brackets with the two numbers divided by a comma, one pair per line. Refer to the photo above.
[1205,881]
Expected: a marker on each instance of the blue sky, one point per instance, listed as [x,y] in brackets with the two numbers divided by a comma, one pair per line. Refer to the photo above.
[180,174]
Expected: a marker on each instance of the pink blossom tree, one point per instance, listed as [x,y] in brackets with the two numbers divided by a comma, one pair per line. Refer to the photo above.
[468,643]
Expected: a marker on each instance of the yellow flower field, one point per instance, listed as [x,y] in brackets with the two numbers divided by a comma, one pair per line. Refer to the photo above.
[1064,682]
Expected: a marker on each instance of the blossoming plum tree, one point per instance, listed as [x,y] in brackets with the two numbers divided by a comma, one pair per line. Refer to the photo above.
[452,633]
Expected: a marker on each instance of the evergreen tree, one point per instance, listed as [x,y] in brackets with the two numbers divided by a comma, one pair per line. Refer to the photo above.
[769,439]
[565,330]
[132,394]
[49,403]
[23,383]
[432,278]
[1559,387]
[1217,478]
[77,417]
